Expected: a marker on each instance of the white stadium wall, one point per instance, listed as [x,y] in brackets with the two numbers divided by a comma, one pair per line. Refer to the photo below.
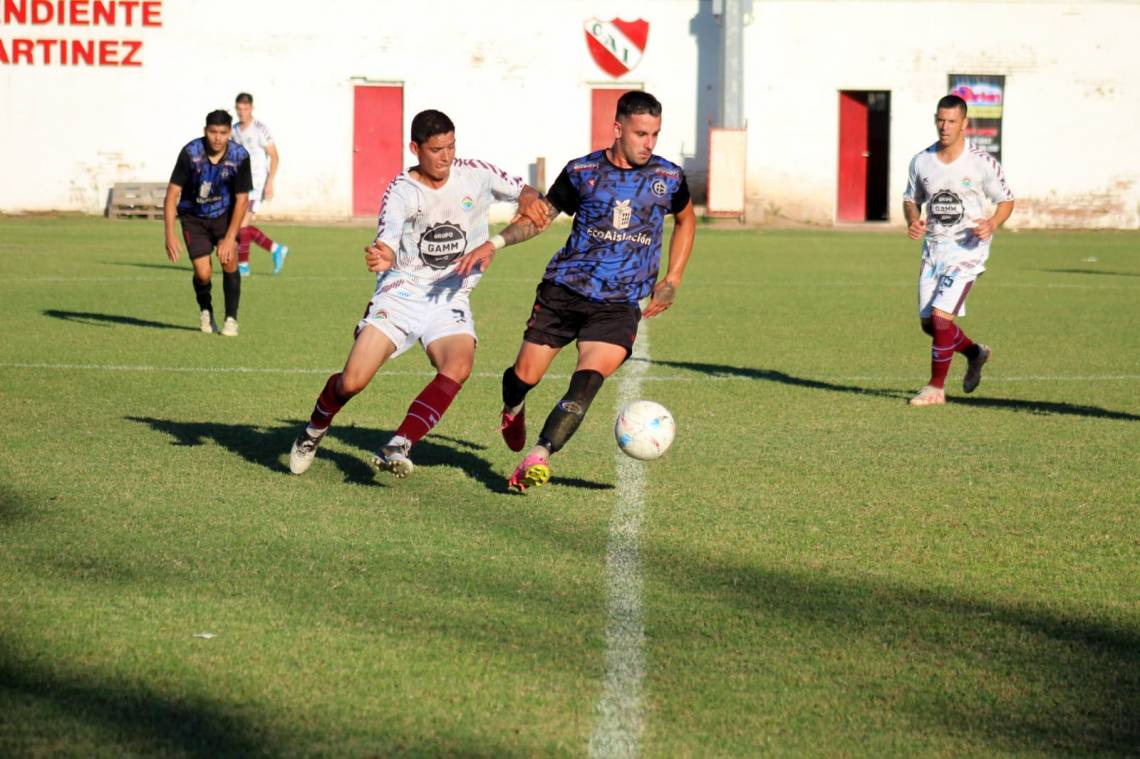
[517,79]
[1072,99]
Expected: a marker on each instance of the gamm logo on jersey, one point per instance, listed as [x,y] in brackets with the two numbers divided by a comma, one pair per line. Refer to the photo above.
[616,45]
[440,244]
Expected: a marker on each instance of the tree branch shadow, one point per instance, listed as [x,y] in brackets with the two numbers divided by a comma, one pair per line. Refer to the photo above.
[106,320]
[142,719]
[1068,684]
[1005,404]
[1099,272]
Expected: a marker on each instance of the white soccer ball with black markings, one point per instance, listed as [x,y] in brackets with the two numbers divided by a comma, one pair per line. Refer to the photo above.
[644,430]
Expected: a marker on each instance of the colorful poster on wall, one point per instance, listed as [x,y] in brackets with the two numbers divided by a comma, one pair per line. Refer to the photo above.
[984,96]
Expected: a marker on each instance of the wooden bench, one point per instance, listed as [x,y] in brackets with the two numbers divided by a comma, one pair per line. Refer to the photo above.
[136,200]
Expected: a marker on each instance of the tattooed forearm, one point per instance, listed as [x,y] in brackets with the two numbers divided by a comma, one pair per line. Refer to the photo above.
[525,228]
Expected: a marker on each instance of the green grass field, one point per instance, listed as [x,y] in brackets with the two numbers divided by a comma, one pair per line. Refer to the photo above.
[823,570]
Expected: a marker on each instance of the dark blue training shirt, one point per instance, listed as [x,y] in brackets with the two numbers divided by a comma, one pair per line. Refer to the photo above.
[208,189]
[614,248]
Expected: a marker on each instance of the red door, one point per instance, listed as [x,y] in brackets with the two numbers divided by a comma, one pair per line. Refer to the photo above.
[603,104]
[377,144]
[853,154]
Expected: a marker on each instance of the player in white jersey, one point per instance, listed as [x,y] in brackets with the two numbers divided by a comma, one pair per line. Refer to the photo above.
[254,136]
[958,184]
[431,215]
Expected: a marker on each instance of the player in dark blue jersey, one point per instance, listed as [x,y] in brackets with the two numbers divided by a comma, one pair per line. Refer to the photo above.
[619,198]
[209,193]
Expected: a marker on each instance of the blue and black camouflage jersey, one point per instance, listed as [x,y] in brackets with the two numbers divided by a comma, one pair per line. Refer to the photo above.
[208,189]
[614,249]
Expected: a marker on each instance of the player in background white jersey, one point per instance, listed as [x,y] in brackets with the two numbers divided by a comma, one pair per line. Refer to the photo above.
[957,183]
[431,215]
[254,136]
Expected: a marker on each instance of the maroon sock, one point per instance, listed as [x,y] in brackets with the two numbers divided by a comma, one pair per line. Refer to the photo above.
[962,344]
[245,235]
[946,333]
[257,236]
[328,403]
[428,407]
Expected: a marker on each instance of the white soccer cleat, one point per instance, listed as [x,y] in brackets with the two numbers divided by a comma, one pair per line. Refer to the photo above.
[973,376]
[229,327]
[305,450]
[929,396]
[394,457]
[206,322]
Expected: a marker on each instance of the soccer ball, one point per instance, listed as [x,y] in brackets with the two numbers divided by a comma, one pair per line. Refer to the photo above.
[644,430]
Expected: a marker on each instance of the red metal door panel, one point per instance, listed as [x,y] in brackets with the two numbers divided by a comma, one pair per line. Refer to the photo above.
[377,144]
[853,152]
[603,103]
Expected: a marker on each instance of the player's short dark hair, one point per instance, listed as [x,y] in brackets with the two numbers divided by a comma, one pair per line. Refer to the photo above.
[635,102]
[244,97]
[219,118]
[952,101]
[428,124]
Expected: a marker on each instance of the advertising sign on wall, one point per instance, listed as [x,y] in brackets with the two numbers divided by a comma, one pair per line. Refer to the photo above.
[984,96]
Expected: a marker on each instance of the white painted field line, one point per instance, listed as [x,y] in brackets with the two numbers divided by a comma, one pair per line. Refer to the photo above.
[620,713]
[695,376]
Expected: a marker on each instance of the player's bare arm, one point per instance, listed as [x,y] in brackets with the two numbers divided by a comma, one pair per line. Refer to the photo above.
[986,227]
[169,218]
[680,248]
[522,228]
[227,246]
[378,257]
[915,224]
[271,151]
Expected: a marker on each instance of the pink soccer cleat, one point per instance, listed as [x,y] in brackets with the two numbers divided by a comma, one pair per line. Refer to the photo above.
[513,428]
[531,473]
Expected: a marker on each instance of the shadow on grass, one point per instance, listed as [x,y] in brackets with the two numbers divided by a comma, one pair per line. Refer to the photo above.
[1092,271]
[1012,677]
[105,320]
[1005,404]
[265,446]
[141,720]
[141,265]
[268,446]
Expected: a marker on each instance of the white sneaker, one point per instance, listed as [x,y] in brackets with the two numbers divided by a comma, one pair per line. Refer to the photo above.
[229,327]
[394,457]
[929,396]
[973,376]
[207,323]
[305,450]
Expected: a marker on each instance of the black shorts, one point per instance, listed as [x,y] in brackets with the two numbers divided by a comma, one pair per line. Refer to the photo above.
[561,316]
[203,235]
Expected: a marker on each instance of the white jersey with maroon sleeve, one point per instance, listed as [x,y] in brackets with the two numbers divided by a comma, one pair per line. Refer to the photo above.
[430,229]
[256,139]
[957,196]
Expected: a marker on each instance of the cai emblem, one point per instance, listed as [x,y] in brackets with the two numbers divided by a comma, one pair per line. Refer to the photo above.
[659,187]
[946,208]
[440,244]
[616,45]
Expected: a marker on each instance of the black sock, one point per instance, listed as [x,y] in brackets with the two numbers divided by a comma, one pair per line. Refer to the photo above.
[231,287]
[514,389]
[202,293]
[568,414]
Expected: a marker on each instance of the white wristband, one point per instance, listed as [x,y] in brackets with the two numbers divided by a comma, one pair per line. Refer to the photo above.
[497,242]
